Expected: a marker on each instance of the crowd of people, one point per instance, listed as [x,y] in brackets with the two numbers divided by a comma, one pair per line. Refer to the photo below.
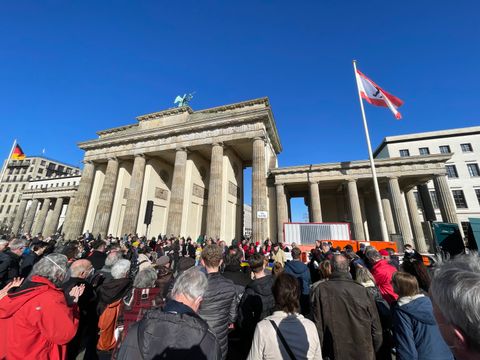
[176,298]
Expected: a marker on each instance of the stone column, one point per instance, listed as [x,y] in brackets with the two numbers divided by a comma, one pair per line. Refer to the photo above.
[356,212]
[315,205]
[105,202]
[445,200]
[282,210]
[401,215]
[30,216]
[428,209]
[418,235]
[134,198]
[214,208]
[52,221]
[174,221]
[79,209]
[42,215]
[259,190]
[19,216]
[387,212]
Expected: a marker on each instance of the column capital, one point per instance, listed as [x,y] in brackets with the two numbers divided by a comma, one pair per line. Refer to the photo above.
[89,162]
[350,180]
[262,137]
[313,182]
[392,177]
[279,184]
[139,155]
[181,148]
[218,143]
[112,158]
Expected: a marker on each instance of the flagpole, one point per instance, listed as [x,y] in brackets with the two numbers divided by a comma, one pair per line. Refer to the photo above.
[383,225]
[8,159]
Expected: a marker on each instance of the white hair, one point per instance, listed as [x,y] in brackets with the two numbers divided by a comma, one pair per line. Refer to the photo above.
[52,267]
[455,289]
[192,283]
[145,278]
[112,258]
[120,269]
[16,244]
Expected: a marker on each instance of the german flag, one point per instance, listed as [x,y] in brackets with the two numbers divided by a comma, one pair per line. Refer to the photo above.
[17,153]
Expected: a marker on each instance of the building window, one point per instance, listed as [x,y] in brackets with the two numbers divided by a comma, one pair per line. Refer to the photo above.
[404,153]
[459,198]
[417,199]
[43,162]
[40,171]
[12,197]
[23,186]
[466,147]
[5,198]
[1,188]
[477,192]
[8,209]
[15,188]
[445,149]
[1,209]
[424,151]
[473,170]
[451,171]
[10,171]
[433,196]
[8,187]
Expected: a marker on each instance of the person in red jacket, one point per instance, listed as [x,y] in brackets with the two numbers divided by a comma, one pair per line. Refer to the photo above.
[382,272]
[35,320]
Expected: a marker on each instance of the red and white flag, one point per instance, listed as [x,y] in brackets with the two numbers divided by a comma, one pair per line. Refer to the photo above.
[375,95]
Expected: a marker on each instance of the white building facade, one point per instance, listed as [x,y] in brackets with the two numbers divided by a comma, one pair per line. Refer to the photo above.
[463,172]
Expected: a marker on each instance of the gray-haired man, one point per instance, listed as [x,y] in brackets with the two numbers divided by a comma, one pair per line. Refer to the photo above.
[455,292]
[177,332]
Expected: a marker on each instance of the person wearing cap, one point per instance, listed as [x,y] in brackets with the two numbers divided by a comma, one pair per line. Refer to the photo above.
[277,254]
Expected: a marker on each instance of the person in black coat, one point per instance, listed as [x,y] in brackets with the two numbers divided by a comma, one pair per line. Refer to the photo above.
[176,332]
[30,259]
[257,302]
[86,336]
[98,255]
[10,261]
[219,305]
[233,269]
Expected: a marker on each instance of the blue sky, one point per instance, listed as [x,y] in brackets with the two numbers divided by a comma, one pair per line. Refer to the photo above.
[71,68]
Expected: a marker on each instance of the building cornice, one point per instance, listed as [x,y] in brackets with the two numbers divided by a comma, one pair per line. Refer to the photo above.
[220,118]
[357,164]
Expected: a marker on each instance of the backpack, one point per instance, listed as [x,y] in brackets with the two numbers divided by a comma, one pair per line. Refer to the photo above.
[107,324]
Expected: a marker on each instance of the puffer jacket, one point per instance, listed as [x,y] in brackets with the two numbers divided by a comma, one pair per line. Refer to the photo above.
[301,272]
[416,332]
[219,307]
[175,333]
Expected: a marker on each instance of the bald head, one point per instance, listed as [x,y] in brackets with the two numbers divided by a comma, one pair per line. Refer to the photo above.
[81,268]
[340,263]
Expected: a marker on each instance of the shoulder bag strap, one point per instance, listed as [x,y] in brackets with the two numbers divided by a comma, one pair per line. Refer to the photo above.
[282,339]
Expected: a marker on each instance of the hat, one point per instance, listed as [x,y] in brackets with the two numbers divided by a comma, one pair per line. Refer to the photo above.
[384,252]
[163,260]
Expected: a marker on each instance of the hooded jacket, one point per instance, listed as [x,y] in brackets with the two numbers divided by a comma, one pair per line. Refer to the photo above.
[36,321]
[257,303]
[301,272]
[416,332]
[382,272]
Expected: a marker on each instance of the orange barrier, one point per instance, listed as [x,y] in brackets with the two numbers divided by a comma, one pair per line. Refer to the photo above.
[379,245]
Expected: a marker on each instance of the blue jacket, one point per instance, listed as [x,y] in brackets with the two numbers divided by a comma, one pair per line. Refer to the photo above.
[416,332]
[301,272]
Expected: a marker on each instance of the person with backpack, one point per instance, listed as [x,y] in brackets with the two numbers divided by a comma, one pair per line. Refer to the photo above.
[110,304]
[285,334]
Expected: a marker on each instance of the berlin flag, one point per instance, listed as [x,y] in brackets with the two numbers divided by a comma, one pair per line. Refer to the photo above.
[375,95]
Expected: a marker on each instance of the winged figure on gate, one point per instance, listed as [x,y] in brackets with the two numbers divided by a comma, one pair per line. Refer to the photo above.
[183,100]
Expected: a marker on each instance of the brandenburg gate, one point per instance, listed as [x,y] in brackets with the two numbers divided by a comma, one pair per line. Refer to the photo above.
[189,163]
